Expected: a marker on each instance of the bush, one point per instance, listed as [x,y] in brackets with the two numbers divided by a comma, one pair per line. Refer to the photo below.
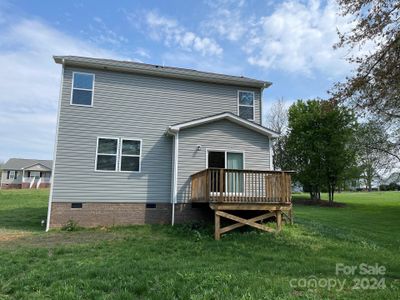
[71,225]
[389,187]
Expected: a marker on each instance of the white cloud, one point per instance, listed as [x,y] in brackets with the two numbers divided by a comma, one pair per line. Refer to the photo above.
[295,37]
[142,52]
[30,82]
[173,34]
[226,19]
[101,33]
[298,37]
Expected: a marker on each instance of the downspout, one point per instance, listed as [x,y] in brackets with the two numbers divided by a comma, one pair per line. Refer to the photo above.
[271,155]
[175,174]
[55,151]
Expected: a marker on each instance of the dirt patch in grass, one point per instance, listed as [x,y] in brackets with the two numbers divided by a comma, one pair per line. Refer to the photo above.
[324,203]
[57,238]
[12,236]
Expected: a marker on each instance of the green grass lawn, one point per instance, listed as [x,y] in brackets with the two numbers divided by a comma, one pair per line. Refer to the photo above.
[184,262]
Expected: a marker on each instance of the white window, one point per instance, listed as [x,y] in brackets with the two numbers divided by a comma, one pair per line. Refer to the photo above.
[82,89]
[106,154]
[246,105]
[35,174]
[112,152]
[12,175]
[130,155]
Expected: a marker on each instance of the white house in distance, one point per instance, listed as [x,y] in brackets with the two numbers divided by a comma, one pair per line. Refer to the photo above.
[24,173]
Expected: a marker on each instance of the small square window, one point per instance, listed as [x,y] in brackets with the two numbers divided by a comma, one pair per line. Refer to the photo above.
[130,163]
[151,205]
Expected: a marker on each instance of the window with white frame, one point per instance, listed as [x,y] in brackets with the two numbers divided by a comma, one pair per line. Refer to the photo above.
[130,155]
[82,89]
[106,154]
[12,175]
[124,153]
[246,105]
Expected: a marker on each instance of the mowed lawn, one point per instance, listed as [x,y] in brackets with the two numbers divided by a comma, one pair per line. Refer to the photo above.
[184,262]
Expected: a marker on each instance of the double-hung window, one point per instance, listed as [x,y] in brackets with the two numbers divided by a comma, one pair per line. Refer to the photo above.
[246,105]
[130,155]
[107,154]
[11,175]
[118,154]
[82,89]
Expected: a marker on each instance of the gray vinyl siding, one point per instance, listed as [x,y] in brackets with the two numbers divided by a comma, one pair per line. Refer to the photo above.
[220,135]
[130,106]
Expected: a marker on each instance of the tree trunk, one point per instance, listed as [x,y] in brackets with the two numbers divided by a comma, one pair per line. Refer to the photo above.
[369,185]
[331,192]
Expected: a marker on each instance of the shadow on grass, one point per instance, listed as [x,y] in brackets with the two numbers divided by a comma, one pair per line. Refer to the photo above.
[26,218]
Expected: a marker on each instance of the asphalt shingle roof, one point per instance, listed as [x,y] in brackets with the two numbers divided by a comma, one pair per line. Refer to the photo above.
[21,163]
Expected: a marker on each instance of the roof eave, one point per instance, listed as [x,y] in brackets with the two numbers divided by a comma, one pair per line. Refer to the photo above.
[216,78]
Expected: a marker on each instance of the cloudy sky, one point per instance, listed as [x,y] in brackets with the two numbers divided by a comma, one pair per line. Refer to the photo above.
[286,42]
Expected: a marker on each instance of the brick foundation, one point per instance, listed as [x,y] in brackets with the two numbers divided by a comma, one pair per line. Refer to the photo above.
[10,186]
[109,214]
[24,185]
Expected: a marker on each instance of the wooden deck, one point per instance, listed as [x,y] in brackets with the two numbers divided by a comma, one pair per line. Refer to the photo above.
[238,190]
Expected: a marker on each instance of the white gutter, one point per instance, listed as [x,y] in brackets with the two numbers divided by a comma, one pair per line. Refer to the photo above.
[174,174]
[55,151]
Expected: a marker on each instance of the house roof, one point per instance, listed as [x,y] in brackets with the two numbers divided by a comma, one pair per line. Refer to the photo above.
[227,116]
[156,70]
[23,163]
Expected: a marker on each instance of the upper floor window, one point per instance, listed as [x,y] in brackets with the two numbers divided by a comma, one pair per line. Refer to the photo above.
[246,105]
[82,89]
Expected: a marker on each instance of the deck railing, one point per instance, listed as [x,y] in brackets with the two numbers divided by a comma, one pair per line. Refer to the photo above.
[241,186]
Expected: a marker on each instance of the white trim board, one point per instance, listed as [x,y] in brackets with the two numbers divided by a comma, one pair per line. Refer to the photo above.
[228,116]
[55,149]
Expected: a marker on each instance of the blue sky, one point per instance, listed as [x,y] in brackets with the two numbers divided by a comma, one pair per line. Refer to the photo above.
[286,42]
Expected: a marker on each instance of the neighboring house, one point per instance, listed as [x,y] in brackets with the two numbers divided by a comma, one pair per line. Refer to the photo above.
[131,135]
[23,173]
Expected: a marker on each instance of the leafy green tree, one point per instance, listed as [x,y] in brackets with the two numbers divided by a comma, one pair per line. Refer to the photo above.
[374,86]
[371,138]
[319,144]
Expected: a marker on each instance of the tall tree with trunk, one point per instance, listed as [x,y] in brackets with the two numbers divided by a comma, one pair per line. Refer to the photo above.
[318,145]
[371,137]
[277,116]
[277,119]
[374,86]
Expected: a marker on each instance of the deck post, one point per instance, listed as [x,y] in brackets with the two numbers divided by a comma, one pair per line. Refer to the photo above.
[221,185]
[278,220]
[217,234]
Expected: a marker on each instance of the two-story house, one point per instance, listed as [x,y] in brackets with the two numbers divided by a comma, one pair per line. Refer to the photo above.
[131,138]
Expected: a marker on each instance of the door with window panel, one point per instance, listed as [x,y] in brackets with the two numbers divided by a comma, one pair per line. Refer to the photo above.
[234,178]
